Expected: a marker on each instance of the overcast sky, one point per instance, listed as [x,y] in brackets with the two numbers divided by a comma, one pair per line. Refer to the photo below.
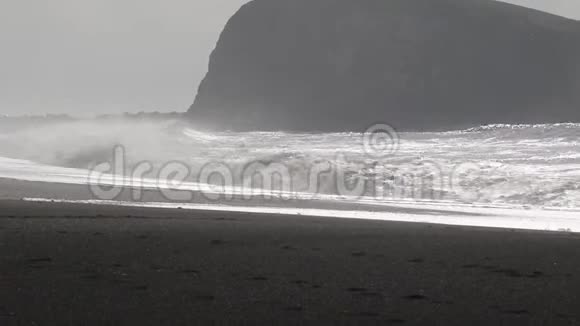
[107,56]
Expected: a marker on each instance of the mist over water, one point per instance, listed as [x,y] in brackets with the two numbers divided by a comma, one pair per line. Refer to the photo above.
[523,165]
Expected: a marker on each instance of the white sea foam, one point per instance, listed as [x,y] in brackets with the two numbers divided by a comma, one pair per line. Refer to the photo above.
[560,221]
[520,166]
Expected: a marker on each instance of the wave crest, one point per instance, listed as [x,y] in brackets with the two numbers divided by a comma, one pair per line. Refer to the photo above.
[535,165]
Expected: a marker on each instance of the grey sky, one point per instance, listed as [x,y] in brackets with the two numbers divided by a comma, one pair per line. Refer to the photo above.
[107,56]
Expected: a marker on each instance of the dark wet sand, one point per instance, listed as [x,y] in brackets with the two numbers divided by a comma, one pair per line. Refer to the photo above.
[70,264]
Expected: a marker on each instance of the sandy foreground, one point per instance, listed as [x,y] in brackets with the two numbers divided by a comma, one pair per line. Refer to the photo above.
[81,264]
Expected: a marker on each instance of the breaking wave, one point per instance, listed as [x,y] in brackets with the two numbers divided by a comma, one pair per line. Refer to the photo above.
[525,165]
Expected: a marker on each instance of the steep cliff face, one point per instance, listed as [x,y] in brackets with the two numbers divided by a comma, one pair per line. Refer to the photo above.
[333,65]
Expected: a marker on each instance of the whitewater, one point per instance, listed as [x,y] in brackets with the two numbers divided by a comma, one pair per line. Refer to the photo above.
[515,171]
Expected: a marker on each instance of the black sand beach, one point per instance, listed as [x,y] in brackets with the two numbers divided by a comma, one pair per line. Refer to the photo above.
[76,264]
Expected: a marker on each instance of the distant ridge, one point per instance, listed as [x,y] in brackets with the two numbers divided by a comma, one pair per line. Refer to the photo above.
[336,65]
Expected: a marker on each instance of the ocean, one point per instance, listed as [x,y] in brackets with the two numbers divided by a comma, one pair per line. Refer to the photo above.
[524,166]
[510,176]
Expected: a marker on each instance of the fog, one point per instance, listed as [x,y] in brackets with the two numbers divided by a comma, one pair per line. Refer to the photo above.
[85,57]
[94,142]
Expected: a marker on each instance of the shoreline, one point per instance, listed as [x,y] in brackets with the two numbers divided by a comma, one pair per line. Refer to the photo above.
[394,211]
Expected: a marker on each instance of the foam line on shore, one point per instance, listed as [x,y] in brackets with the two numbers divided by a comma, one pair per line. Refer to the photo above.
[34,172]
[487,218]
